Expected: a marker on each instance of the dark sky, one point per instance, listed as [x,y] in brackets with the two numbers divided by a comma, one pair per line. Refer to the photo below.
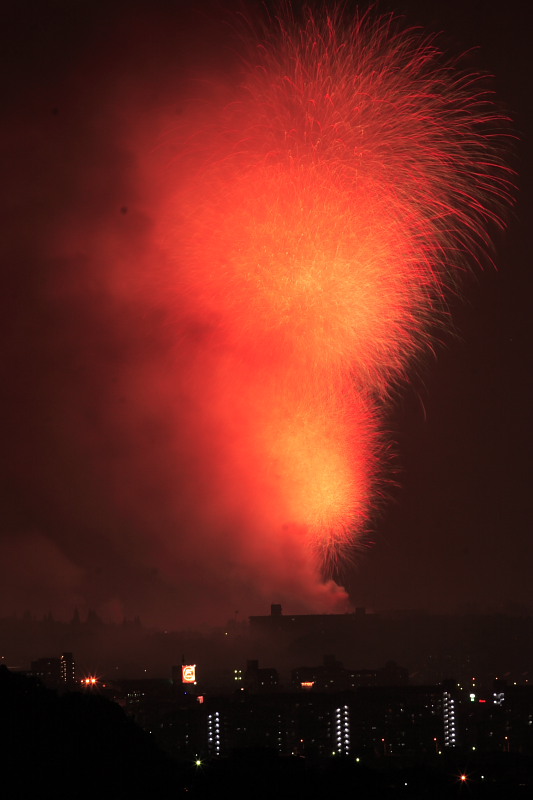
[104,488]
[459,531]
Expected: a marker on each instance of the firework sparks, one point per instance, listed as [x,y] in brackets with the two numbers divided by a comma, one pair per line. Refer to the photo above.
[324,212]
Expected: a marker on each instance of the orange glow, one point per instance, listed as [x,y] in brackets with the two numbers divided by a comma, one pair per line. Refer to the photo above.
[312,229]
[188,673]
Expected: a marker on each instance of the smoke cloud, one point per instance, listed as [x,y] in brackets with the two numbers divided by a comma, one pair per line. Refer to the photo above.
[217,270]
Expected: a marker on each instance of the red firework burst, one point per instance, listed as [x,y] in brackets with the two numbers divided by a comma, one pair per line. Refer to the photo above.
[323,214]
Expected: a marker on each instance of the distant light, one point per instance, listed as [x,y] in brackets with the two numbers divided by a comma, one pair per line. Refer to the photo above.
[463,778]
[198,762]
[482,701]
[188,673]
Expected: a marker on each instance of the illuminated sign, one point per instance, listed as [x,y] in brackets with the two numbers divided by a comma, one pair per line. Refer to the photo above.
[307,684]
[188,673]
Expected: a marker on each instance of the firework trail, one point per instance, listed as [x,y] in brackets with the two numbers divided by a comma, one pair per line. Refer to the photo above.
[317,223]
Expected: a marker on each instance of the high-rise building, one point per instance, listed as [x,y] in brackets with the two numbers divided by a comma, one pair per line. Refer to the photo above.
[48,670]
[449,713]
[67,669]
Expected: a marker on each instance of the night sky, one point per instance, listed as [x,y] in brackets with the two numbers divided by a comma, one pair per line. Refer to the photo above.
[105,490]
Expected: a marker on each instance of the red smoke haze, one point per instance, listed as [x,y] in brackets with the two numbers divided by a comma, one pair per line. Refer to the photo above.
[214,280]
